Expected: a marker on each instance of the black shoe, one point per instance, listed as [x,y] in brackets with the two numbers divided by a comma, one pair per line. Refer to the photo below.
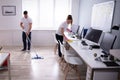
[28,49]
[23,50]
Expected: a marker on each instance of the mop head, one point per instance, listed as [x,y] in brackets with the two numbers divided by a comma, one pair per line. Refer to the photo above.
[37,57]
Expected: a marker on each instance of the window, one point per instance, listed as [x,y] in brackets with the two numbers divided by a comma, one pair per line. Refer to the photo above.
[47,14]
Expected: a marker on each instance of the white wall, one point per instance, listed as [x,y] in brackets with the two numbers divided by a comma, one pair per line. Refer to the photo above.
[86,11]
[75,11]
[10,22]
[14,38]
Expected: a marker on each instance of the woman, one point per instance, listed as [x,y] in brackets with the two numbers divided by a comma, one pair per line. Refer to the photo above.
[63,27]
[60,32]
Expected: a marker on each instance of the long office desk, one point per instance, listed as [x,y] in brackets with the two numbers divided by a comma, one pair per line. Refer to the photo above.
[3,58]
[96,70]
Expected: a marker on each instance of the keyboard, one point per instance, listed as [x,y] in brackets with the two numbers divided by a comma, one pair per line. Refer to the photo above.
[110,63]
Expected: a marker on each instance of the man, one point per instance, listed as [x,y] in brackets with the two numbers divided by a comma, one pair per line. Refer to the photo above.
[26,25]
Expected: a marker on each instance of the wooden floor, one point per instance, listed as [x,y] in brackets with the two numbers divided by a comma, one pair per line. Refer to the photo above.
[23,67]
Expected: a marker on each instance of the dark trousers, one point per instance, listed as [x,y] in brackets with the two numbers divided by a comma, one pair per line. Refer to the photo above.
[25,40]
[59,38]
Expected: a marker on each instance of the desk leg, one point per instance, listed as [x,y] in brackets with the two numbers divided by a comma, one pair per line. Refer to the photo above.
[92,73]
[89,74]
[119,75]
[9,72]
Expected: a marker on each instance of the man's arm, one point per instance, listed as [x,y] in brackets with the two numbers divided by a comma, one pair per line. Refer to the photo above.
[30,27]
[21,24]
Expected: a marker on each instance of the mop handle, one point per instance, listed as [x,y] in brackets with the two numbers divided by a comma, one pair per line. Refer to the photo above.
[37,57]
[27,36]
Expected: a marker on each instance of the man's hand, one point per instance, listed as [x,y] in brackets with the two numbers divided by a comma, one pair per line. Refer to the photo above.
[27,33]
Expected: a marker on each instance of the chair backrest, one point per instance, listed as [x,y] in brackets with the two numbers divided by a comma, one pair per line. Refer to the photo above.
[54,36]
[62,48]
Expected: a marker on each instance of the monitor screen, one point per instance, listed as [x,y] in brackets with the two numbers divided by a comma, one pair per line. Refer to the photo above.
[107,42]
[93,35]
[75,29]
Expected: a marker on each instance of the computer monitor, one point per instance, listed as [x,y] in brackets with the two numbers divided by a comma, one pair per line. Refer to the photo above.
[83,33]
[107,43]
[75,29]
[93,35]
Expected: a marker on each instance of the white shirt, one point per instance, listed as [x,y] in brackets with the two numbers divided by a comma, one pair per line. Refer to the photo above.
[26,22]
[63,25]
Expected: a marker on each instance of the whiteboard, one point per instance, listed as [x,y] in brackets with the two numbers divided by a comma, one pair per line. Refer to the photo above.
[102,16]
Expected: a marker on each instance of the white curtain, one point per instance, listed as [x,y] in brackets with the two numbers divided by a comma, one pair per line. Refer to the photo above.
[47,14]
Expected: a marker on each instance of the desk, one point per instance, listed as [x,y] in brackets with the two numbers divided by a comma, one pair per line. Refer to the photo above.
[3,58]
[95,70]
[115,53]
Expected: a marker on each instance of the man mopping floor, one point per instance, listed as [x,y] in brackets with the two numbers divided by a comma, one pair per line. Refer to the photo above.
[26,25]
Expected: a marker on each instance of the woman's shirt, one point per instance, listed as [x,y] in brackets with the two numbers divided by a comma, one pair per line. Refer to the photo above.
[64,25]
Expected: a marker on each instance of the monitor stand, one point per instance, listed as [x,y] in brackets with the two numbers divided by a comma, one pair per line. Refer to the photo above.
[105,56]
[94,46]
[105,53]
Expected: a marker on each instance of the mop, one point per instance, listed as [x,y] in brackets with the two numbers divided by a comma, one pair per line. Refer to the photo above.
[36,57]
